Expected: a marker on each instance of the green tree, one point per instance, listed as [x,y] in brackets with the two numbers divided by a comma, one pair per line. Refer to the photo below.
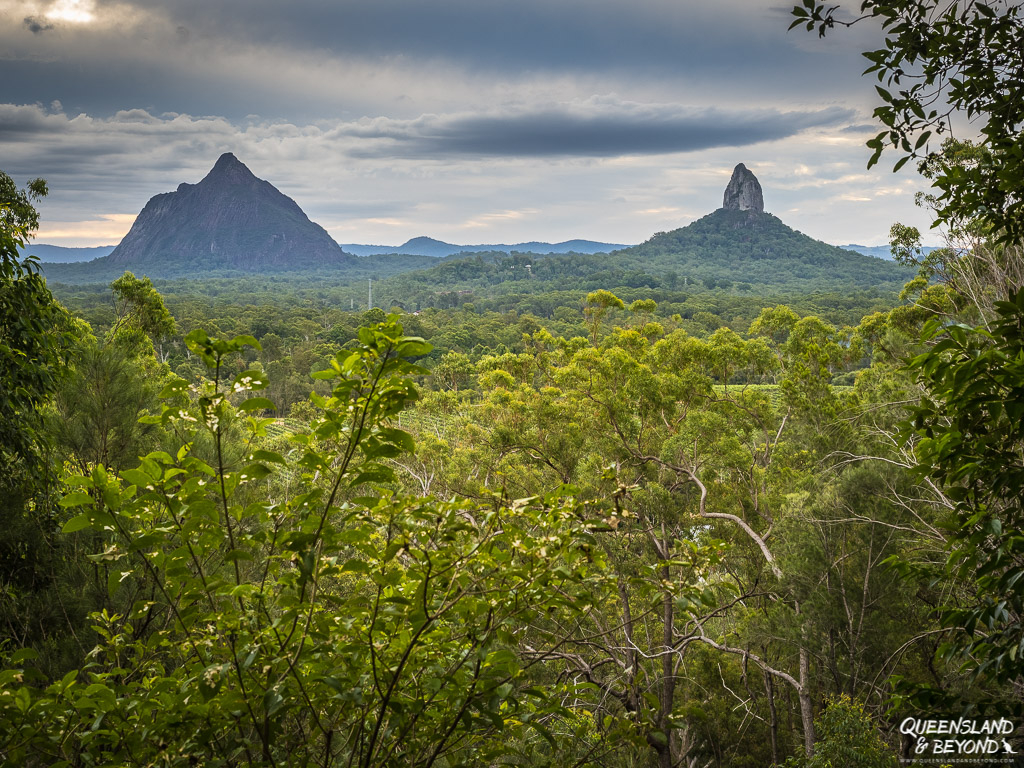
[969,426]
[598,305]
[112,381]
[33,351]
[942,61]
[342,625]
[30,344]
[974,271]
[693,476]
[139,309]
[849,738]
[453,371]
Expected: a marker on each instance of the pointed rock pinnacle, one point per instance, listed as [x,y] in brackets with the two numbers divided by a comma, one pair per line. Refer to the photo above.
[743,192]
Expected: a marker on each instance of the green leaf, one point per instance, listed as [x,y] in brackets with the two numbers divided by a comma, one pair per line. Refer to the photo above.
[249,380]
[22,655]
[256,404]
[254,472]
[413,346]
[262,455]
[76,499]
[378,475]
[137,477]
[245,341]
[173,388]
[399,437]
[77,523]
[272,701]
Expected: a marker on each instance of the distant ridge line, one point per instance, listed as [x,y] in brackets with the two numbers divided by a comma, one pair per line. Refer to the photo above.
[426,246]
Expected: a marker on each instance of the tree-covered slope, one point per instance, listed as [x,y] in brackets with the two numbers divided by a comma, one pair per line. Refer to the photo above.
[756,247]
[733,249]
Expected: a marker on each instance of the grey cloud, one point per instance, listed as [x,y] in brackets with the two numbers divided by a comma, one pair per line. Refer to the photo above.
[860,128]
[733,49]
[681,37]
[605,131]
[23,121]
[101,166]
[36,26]
[592,128]
[82,154]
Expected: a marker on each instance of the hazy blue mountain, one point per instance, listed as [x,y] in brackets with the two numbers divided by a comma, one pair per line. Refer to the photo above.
[880,251]
[428,246]
[49,254]
[418,246]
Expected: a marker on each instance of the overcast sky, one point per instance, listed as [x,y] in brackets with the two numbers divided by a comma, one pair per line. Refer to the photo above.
[472,121]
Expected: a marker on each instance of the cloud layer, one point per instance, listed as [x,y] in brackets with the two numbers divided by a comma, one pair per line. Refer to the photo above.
[307,59]
[596,128]
[506,119]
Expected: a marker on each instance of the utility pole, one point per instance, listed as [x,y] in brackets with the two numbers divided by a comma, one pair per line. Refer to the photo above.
[369,296]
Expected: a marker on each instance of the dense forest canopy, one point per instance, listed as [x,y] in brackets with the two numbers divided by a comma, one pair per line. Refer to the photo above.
[703,502]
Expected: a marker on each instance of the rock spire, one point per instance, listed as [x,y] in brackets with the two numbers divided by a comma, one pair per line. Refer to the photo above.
[743,192]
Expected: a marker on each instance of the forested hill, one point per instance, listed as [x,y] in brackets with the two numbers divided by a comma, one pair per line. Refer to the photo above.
[59,254]
[731,249]
[102,271]
[756,247]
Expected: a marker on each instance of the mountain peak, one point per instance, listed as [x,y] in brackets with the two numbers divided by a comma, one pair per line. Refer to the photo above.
[230,169]
[422,240]
[743,192]
[229,220]
[227,160]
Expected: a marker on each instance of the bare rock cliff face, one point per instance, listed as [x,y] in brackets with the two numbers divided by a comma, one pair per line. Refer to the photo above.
[743,192]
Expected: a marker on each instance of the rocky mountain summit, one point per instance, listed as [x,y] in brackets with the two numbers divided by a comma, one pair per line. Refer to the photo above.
[743,192]
[741,244]
[229,220]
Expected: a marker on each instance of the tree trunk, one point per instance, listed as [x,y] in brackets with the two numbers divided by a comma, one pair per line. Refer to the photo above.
[668,681]
[631,660]
[806,708]
[773,719]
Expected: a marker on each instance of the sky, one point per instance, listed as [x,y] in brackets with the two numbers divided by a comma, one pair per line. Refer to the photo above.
[470,121]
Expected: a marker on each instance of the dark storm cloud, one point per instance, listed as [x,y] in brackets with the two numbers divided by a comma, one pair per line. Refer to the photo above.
[595,128]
